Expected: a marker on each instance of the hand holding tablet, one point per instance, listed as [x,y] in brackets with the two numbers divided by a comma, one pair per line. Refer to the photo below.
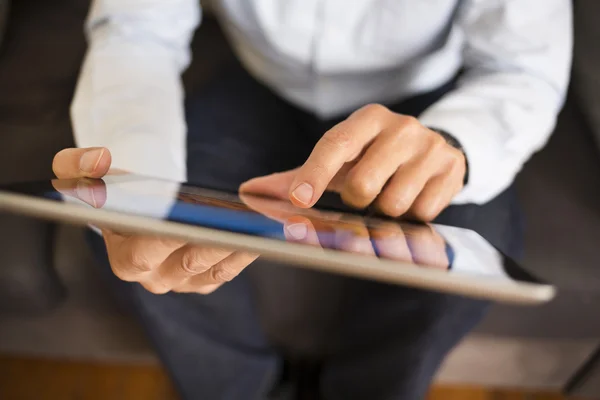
[160,264]
[176,237]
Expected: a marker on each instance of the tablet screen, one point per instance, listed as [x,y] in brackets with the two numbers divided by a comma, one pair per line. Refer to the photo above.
[444,248]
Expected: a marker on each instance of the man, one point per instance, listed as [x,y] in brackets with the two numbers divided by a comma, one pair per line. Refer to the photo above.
[401,105]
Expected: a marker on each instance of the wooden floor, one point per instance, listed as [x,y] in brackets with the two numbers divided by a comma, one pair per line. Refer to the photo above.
[25,379]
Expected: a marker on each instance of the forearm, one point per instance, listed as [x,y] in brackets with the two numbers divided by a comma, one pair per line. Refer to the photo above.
[126,113]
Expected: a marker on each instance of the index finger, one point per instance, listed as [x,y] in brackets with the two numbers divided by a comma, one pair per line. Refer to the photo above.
[341,144]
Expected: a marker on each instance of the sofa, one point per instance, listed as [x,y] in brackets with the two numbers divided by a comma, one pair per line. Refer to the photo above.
[49,285]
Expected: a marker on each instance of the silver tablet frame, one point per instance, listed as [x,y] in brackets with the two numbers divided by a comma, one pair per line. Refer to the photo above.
[361,266]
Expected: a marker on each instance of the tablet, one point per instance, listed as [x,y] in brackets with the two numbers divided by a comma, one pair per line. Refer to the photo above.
[426,256]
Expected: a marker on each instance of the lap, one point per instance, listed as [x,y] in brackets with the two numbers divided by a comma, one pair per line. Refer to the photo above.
[303,310]
[211,346]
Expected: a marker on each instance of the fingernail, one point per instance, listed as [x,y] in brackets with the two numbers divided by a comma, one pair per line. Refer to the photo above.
[90,160]
[297,231]
[303,193]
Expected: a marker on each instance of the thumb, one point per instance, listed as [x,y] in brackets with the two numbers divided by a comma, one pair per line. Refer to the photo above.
[92,162]
[274,185]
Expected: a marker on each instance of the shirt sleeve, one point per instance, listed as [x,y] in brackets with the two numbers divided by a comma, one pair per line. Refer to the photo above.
[517,57]
[129,96]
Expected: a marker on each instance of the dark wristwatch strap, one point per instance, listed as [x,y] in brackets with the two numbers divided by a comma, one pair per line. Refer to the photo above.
[452,141]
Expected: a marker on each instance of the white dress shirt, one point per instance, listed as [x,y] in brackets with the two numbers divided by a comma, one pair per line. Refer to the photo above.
[330,57]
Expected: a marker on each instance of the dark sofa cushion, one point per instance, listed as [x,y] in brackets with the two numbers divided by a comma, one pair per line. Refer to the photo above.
[586,63]
[3,18]
[39,64]
[560,192]
[28,281]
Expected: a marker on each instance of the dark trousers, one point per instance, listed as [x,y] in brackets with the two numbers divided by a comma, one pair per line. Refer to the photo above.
[365,340]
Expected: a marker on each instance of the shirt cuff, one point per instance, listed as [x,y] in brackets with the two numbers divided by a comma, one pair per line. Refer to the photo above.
[482,154]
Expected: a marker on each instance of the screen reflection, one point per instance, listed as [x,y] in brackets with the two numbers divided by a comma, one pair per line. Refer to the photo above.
[407,242]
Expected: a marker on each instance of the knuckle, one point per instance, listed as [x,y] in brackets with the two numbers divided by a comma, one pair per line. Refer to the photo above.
[192,263]
[405,127]
[337,139]
[438,142]
[136,260]
[409,122]
[222,273]
[363,187]
[399,132]
[375,109]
